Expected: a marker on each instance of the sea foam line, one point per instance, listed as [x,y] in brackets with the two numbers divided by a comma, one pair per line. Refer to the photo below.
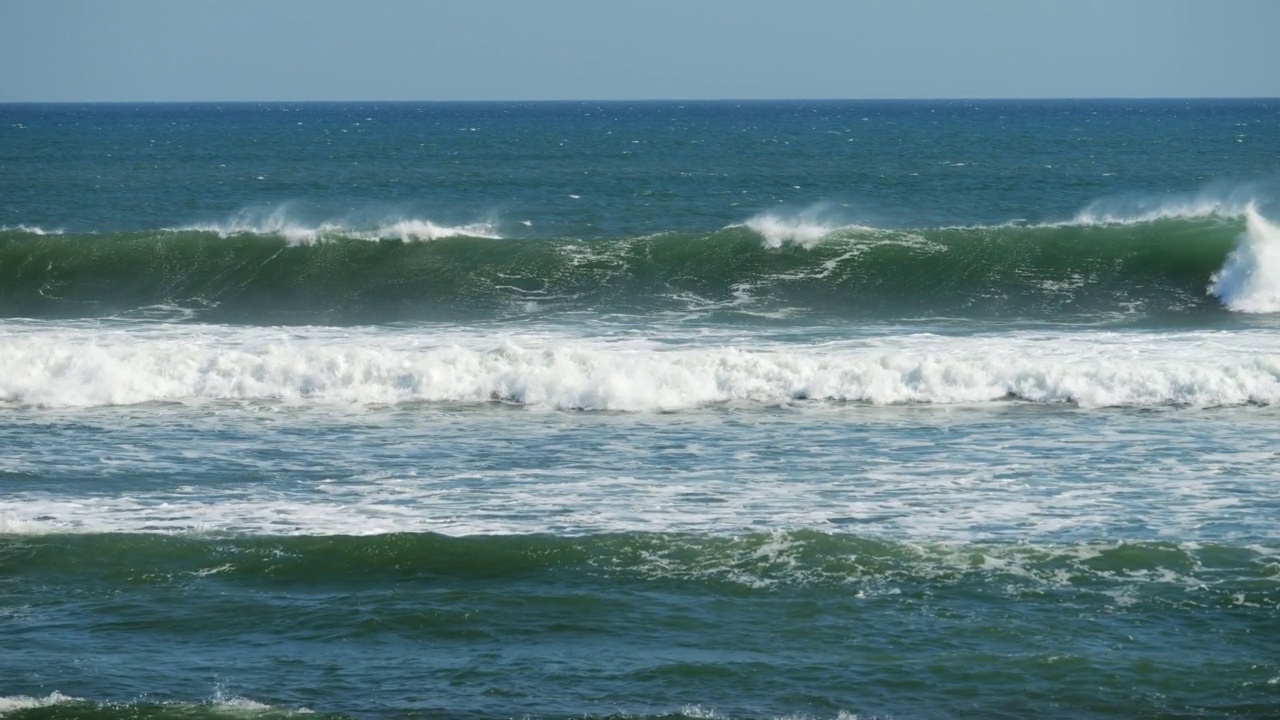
[85,368]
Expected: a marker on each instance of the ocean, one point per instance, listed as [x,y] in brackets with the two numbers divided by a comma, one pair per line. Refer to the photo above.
[824,410]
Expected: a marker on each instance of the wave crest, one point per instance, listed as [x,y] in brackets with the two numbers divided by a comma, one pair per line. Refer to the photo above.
[271,268]
[30,230]
[282,222]
[806,229]
[1226,204]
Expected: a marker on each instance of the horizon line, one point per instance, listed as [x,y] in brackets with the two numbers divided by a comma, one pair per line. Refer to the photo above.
[1038,98]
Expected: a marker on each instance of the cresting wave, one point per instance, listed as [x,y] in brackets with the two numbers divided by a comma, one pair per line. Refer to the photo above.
[91,366]
[1232,204]
[1250,279]
[280,222]
[1170,265]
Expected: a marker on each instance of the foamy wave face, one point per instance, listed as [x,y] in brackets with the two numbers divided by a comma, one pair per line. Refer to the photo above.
[14,703]
[282,222]
[1250,279]
[82,367]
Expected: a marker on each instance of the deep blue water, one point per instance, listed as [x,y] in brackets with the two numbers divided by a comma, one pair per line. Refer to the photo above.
[636,167]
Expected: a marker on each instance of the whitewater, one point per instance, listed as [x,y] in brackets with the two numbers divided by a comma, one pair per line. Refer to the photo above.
[131,363]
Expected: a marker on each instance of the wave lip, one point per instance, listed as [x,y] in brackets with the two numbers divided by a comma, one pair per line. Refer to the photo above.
[30,230]
[427,230]
[282,222]
[298,234]
[1097,214]
[806,228]
[1230,205]
[778,231]
[1249,281]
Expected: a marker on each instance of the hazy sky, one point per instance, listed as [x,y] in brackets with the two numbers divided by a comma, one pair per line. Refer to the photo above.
[625,49]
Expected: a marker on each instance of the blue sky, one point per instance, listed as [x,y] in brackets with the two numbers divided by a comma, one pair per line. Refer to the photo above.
[171,50]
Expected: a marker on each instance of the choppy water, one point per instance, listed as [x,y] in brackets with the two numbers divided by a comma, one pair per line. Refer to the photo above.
[761,410]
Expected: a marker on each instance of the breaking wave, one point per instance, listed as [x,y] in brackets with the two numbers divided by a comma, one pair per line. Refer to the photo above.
[1135,259]
[1250,279]
[95,367]
[1153,270]
[1233,204]
[807,228]
[282,222]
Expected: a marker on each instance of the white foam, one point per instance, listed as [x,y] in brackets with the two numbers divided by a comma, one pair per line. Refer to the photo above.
[807,227]
[918,473]
[955,494]
[1210,203]
[700,712]
[818,223]
[225,701]
[48,365]
[281,221]
[31,229]
[779,230]
[221,701]
[787,558]
[13,703]
[276,221]
[1249,281]
[426,230]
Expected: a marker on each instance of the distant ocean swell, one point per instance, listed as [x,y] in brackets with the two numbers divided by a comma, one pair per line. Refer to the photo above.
[89,366]
[1158,267]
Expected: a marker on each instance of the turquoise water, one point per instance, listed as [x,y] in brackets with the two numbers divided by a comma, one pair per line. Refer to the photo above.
[758,410]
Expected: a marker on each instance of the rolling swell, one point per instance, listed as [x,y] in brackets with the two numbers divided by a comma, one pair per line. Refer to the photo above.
[763,562]
[631,619]
[1158,268]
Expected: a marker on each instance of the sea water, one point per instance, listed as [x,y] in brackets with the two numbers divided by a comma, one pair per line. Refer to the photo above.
[686,410]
